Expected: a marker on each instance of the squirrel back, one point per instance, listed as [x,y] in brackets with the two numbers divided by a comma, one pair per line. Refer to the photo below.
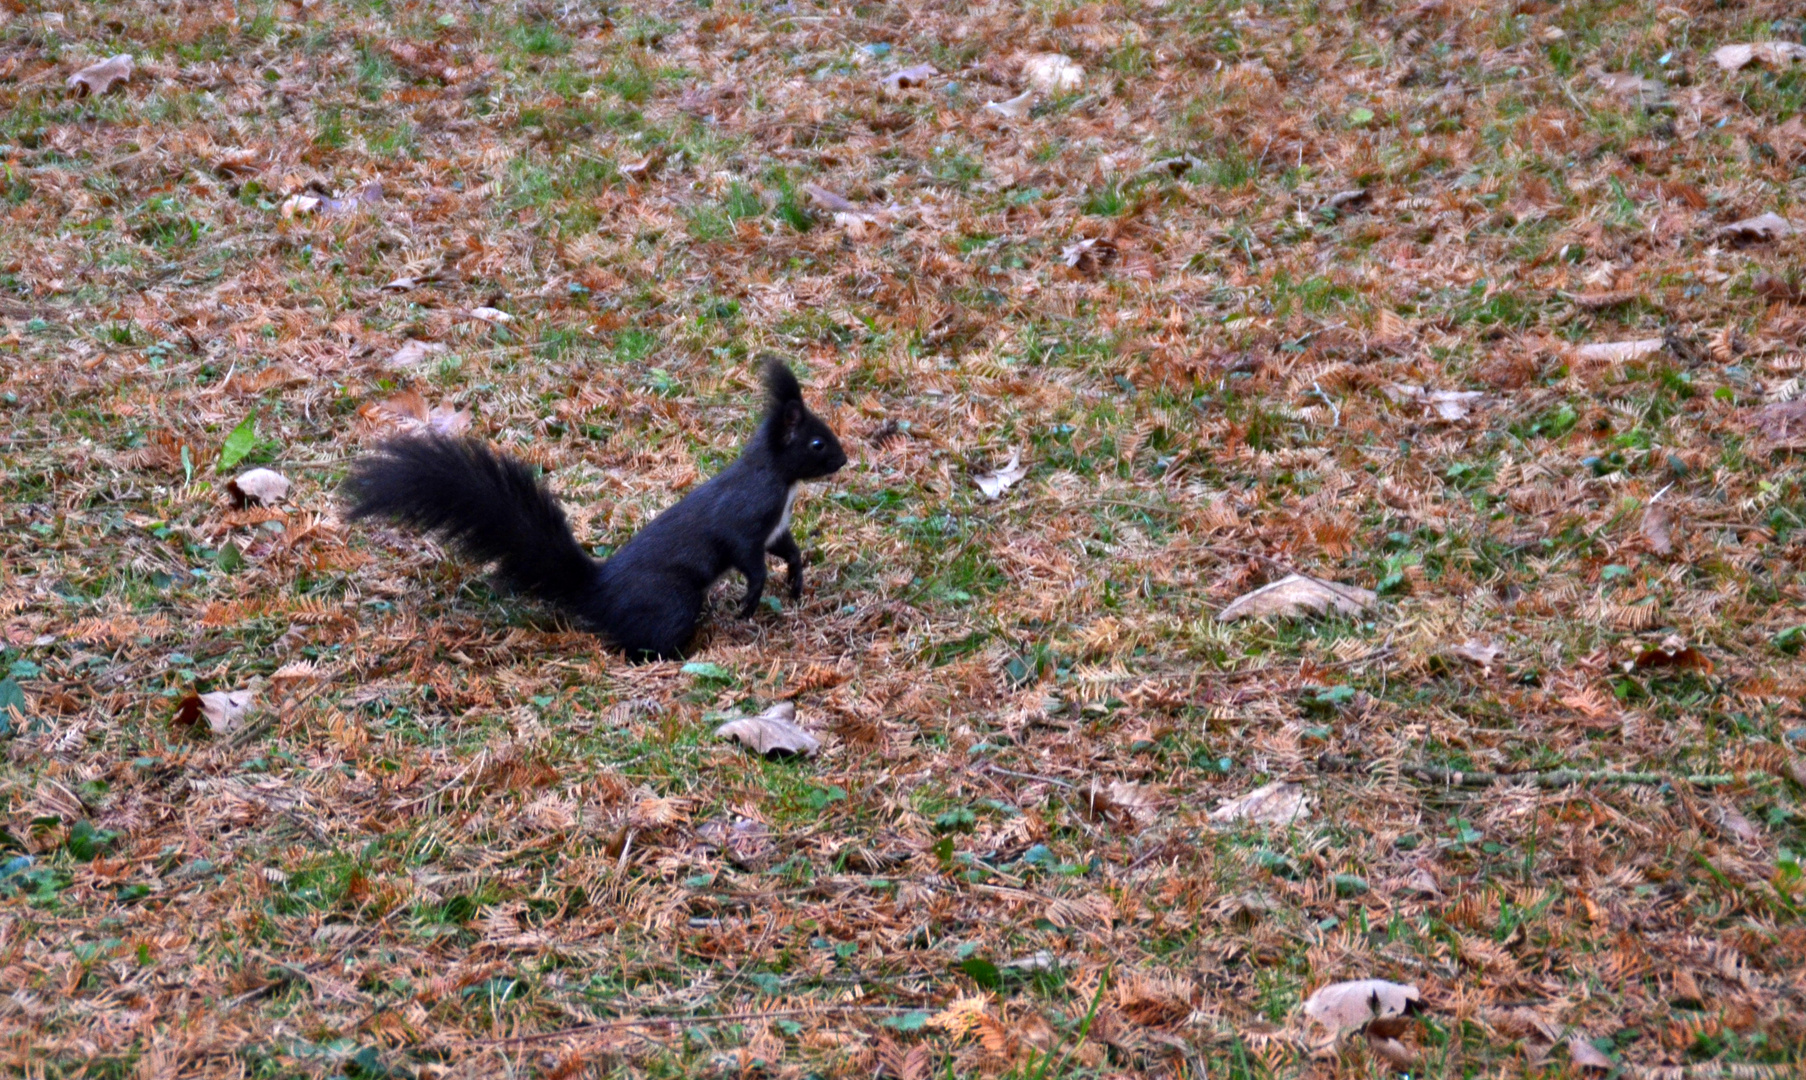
[647,598]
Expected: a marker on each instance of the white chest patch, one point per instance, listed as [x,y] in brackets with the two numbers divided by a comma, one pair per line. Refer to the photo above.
[783,519]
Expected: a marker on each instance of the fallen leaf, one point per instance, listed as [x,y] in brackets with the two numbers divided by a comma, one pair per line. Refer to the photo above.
[1383,1040]
[1295,595]
[96,79]
[1686,988]
[745,842]
[1770,287]
[1762,227]
[1599,301]
[1278,803]
[410,410]
[1052,73]
[1121,802]
[1345,198]
[1618,352]
[224,711]
[260,486]
[1658,529]
[1015,108]
[490,315]
[414,351]
[1782,423]
[859,226]
[1628,86]
[1423,883]
[828,200]
[1773,53]
[772,733]
[1089,257]
[1674,653]
[1475,651]
[912,76]
[1345,1006]
[1727,817]
[302,205]
[1587,1056]
[994,484]
[1446,404]
[1175,166]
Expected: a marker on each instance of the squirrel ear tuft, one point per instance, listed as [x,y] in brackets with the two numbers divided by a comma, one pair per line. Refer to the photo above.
[779,382]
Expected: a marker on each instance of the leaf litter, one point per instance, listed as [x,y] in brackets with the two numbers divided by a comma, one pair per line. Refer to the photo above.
[475,841]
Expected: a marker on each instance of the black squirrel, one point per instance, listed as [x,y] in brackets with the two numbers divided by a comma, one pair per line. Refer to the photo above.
[646,599]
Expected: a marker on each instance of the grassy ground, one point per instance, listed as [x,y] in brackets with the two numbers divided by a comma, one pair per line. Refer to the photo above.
[451,838]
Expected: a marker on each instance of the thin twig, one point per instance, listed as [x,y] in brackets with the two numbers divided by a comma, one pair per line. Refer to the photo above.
[654,1021]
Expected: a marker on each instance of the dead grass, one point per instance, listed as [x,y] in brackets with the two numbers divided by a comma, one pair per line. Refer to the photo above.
[1216,295]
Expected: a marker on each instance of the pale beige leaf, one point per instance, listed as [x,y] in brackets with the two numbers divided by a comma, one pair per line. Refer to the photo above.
[1620,351]
[1762,227]
[1278,803]
[490,315]
[772,733]
[1015,108]
[1476,651]
[993,484]
[1052,73]
[1295,595]
[912,76]
[1345,1006]
[1587,1056]
[96,79]
[1658,529]
[261,486]
[414,351]
[1773,53]
[225,710]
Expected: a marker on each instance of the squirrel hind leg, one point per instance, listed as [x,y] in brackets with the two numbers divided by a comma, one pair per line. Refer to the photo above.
[656,623]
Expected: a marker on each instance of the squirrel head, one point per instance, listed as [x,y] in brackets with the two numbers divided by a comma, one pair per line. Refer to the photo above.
[802,443]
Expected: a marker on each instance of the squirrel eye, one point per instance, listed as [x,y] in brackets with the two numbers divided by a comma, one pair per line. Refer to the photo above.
[815,445]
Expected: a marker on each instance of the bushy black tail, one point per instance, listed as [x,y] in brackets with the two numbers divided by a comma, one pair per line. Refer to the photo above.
[486,505]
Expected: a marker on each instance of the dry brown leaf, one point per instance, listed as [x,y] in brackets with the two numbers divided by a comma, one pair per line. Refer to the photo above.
[1762,227]
[745,842]
[773,733]
[1658,529]
[490,315]
[1387,1047]
[96,79]
[1015,108]
[1626,85]
[993,484]
[1674,653]
[363,198]
[1770,287]
[1052,73]
[1772,53]
[1278,803]
[1296,595]
[829,200]
[1618,352]
[1782,423]
[1446,404]
[1121,802]
[410,411]
[1089,257]
[1587,1056]
[1345,1006]
[1728,818]
[257,486]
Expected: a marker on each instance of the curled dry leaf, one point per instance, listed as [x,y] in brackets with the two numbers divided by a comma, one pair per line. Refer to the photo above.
[993,484]
[1015,108]
[413,351]
[1345,1006]
[1674,653]
[1052,73]
[1383,1039]
[96,79]
[224,711]
[1761,228]
[744,841]
[830,201]
[363,198]
[1770,287]
[1296,595]
[490,315]
[1626,85]
[1121,803]
[257,486]
[1617,352]
[1587,1056]
[1475,651]
[1734,824]
[1446,404]
[1089,257]
[1658,529]
[910,77]
[409,410]
[773,733]
[1278,803]
[1175,166]
[1773,53]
